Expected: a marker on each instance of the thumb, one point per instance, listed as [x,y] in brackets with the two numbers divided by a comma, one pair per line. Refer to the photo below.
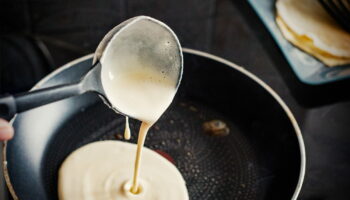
[6,130]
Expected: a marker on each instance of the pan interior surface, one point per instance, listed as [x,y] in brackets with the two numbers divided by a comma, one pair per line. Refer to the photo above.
[258,159]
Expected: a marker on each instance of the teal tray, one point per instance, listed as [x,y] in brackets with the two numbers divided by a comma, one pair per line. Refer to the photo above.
[308,69]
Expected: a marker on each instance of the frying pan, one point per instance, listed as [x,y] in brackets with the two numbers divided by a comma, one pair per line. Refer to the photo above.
[261,158]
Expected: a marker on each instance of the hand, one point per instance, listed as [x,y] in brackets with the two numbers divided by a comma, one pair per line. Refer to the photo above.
[6,130]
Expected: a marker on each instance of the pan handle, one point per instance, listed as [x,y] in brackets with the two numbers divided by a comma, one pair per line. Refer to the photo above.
[12,104]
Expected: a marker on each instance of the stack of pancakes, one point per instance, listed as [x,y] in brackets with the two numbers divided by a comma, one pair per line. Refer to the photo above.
[308,26]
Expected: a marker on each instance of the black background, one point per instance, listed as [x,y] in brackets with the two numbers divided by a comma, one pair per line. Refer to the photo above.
[38,36]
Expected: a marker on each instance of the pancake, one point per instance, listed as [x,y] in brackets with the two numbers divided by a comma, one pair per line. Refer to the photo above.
[103,171]
[308,26]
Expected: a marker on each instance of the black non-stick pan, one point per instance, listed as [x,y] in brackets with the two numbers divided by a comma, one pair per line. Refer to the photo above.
[229,134]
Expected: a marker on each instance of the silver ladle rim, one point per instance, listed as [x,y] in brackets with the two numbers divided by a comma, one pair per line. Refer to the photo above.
[106,43]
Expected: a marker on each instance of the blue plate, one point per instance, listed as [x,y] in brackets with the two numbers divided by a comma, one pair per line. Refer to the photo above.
[308,69]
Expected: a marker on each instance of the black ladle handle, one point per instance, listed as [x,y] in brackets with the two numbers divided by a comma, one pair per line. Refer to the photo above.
[12,104]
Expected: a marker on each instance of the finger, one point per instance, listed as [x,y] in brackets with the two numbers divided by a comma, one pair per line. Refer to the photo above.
[6,130]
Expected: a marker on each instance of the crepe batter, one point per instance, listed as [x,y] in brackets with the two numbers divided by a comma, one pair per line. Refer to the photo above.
[134,86]
[154,94]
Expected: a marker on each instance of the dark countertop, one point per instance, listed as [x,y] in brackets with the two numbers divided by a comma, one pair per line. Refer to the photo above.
[229,29]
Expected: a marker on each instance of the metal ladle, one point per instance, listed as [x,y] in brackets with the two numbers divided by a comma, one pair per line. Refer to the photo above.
[143,38]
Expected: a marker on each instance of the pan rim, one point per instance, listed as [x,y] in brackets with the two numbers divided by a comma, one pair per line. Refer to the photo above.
[202,54]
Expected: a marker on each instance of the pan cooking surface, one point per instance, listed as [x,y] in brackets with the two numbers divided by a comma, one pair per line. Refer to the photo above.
[214,167]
